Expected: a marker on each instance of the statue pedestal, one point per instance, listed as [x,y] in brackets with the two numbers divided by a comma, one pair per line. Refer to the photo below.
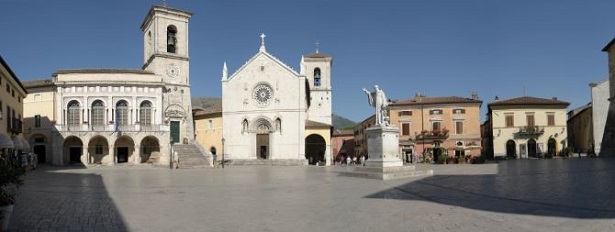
[384,159]
[383,147]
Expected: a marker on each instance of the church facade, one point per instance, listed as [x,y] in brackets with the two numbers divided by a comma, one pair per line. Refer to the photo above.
[111,116]
[272,113]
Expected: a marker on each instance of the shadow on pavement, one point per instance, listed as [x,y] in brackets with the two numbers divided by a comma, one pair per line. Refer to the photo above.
[62,199]
[573,188]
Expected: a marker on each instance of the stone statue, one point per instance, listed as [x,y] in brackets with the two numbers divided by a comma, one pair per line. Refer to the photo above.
[378,100]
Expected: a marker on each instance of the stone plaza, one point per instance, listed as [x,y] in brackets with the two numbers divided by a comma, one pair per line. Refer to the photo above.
[518,195]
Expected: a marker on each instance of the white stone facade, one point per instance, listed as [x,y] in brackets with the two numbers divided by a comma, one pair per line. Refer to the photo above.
[267,107]
[600,110]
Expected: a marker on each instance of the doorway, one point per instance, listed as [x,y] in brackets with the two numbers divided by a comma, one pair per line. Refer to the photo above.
[174,131]
[40,152]
[75,154]
[262,146]
[531,148]
[122,154]
[511,153]
[551,147]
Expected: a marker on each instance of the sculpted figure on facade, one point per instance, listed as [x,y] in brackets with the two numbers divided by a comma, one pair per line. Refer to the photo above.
[378,100]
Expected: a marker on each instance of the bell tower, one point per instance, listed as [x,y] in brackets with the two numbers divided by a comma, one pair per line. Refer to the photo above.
[316,67]
[166,54]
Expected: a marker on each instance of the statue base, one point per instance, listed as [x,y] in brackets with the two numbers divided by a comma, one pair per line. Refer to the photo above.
[384,159]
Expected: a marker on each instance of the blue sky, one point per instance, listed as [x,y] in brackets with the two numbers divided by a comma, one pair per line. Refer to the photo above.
[499,48]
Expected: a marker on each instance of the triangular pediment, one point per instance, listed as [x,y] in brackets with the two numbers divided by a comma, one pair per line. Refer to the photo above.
[267,56]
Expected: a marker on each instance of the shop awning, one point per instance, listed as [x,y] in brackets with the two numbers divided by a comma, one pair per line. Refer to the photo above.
[5,142]
[25,145]
[17,143]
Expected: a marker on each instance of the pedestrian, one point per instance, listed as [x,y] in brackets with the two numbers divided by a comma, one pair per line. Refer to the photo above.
[363,160]
[348,161]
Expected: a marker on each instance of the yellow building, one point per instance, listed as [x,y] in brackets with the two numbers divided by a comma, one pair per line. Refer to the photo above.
[39,117]
[208,128]
[425,123]
[12,94]
[580,130]
[360,137]
[525,127]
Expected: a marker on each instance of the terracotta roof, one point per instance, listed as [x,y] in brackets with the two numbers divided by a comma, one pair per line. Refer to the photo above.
[435,100]
[525,100]
[313,124]
[317,55]
[102,70]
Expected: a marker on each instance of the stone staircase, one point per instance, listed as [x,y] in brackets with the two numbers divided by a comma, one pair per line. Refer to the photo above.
[276,162]
[190,156]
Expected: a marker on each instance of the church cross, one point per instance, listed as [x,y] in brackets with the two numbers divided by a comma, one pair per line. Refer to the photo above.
[263,39]
[317,46]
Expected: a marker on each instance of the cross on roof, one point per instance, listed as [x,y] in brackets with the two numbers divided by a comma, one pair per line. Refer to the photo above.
[317,46]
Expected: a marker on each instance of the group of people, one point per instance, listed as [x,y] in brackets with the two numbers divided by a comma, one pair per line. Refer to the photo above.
[25,161]
[351,160]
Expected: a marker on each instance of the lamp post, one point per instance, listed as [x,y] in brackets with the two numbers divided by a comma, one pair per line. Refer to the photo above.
[223,152]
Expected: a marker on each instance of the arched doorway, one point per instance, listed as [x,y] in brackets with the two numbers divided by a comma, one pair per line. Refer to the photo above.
[531,148]
[511,152]
[551,147]
[149,146]
[263,128]
[39,147]
[315,147]
[98,148]
[124,147]
[73,149]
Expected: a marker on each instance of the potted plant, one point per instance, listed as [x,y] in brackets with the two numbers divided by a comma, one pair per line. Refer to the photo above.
[10,181]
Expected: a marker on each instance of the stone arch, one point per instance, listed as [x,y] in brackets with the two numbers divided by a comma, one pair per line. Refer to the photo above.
[124,148]
[532,148]
[315,148]
[98,150]
[262,125]
[73,150]
[150,149]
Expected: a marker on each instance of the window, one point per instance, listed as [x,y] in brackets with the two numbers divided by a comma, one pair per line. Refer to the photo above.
[550,119]
[436,126]
[8,88]
[13,92]
[435,112]
[73,113]
[405,113]
[145,113]
[459,111]
[121,113]
[510,121]
[530,120]
[459,127]
[316,77]
[1,115]
[98,113]
[405,128]
[8,118]
[98,149]
[171,39]
[37,121]
[211,124]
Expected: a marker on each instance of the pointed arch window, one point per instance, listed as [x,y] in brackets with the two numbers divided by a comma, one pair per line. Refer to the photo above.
[317,77]
[171,39]
[72,116]
[145,113]
[98,113]
[121,113]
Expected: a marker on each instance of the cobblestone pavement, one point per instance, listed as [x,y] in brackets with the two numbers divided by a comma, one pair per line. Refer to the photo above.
[518,195]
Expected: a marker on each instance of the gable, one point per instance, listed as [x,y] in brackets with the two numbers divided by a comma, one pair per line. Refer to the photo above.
[263,60]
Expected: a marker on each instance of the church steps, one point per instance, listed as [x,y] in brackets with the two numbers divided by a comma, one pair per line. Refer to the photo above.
[190,156]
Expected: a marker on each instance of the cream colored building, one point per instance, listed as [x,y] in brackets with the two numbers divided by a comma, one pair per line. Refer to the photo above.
[12,93]
[525,127]
[600,99]
[111,116]
[274,114]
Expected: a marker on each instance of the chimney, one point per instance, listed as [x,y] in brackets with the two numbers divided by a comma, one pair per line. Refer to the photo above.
[474,96]
[497,98]
[554,98]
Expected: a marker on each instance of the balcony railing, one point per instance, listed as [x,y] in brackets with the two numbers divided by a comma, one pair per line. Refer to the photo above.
[112,128]
[432,135]
[531,130]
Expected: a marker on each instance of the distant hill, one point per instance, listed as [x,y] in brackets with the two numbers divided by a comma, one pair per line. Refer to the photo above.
[207,102]
[339,122]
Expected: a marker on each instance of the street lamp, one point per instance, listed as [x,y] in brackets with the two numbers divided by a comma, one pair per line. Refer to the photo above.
[223,150]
